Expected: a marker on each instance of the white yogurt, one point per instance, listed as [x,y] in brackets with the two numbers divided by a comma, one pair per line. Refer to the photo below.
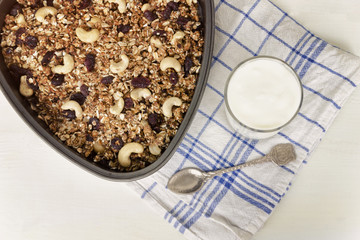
[264,94]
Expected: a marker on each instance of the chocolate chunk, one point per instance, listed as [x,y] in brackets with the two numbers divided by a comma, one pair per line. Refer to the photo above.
[174,78]
[69,114]
[140,82]
[47,58]
[58,79]
[117,143]
[107,80]
[89,62]
[78,97]
[149,15]
[94,123]
[128,103]
[31,41]
[84,90]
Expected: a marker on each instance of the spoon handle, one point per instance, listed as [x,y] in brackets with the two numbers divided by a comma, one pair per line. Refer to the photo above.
[231,169]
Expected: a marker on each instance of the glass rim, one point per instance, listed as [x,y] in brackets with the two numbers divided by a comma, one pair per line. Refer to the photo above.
[251,59]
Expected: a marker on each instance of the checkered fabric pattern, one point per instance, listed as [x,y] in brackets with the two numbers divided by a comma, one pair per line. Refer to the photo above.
[236,205]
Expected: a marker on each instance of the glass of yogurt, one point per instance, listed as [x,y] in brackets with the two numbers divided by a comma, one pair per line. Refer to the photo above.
[262,95]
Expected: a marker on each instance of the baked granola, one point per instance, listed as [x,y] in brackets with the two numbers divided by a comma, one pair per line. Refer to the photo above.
[111,78]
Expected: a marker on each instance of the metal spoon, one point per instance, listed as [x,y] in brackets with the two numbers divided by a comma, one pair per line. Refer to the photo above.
[189,180]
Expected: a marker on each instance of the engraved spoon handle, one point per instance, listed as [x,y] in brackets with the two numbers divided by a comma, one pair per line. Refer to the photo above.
[212,174]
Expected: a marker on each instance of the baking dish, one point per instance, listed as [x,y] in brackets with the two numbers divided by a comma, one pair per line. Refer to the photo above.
[21,105]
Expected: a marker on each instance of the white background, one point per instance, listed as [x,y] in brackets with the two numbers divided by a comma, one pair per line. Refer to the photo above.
[44,196]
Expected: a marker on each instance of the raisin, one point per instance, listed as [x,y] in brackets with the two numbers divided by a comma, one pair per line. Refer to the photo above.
[78,97]
[123,28]
[159,33]
[90,62]
[140,82]
[154,120]
[117,143]
[149,15]
[174,78]
[84,90]
[69,114]
[182,21]
[58,79]
[18,34]
[33,84]
[85,4]
[17,72]
[47,58]
[173,5]
[31,41]
[9,50]
[128,103]
[94,123]
[167,13]
[188,63]
[16,9]
[35,3]
[89,138]
[50,3]
[107,80]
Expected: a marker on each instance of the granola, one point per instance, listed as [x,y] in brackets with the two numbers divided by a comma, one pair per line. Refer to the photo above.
[92,68]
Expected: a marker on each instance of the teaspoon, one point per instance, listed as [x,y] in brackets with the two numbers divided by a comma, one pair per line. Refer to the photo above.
[189,180]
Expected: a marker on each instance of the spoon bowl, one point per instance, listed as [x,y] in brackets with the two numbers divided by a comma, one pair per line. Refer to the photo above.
[189,180]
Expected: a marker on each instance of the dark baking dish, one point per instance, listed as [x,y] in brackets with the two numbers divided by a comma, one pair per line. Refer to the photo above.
[20,104]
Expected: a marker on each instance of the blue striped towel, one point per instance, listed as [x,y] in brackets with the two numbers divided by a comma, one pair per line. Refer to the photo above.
[236,205]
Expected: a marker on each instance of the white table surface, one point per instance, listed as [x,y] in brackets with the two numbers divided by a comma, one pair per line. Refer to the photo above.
[44,196]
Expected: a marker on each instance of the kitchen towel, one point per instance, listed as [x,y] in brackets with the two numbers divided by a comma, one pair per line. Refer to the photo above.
[236,205]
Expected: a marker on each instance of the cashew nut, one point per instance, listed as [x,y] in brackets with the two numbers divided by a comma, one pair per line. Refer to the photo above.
[88,36]
[126,151]
[177,36]
[157,43]
[168,104]
[139,93]
[154,149]
[95,20]
[41,13]
[146,7]
[121,5]
[118,107]
[67,67]
[24,88]
[119,67]
[98,147]
[189,2]
[75,106]
[170,62]
[20,19]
